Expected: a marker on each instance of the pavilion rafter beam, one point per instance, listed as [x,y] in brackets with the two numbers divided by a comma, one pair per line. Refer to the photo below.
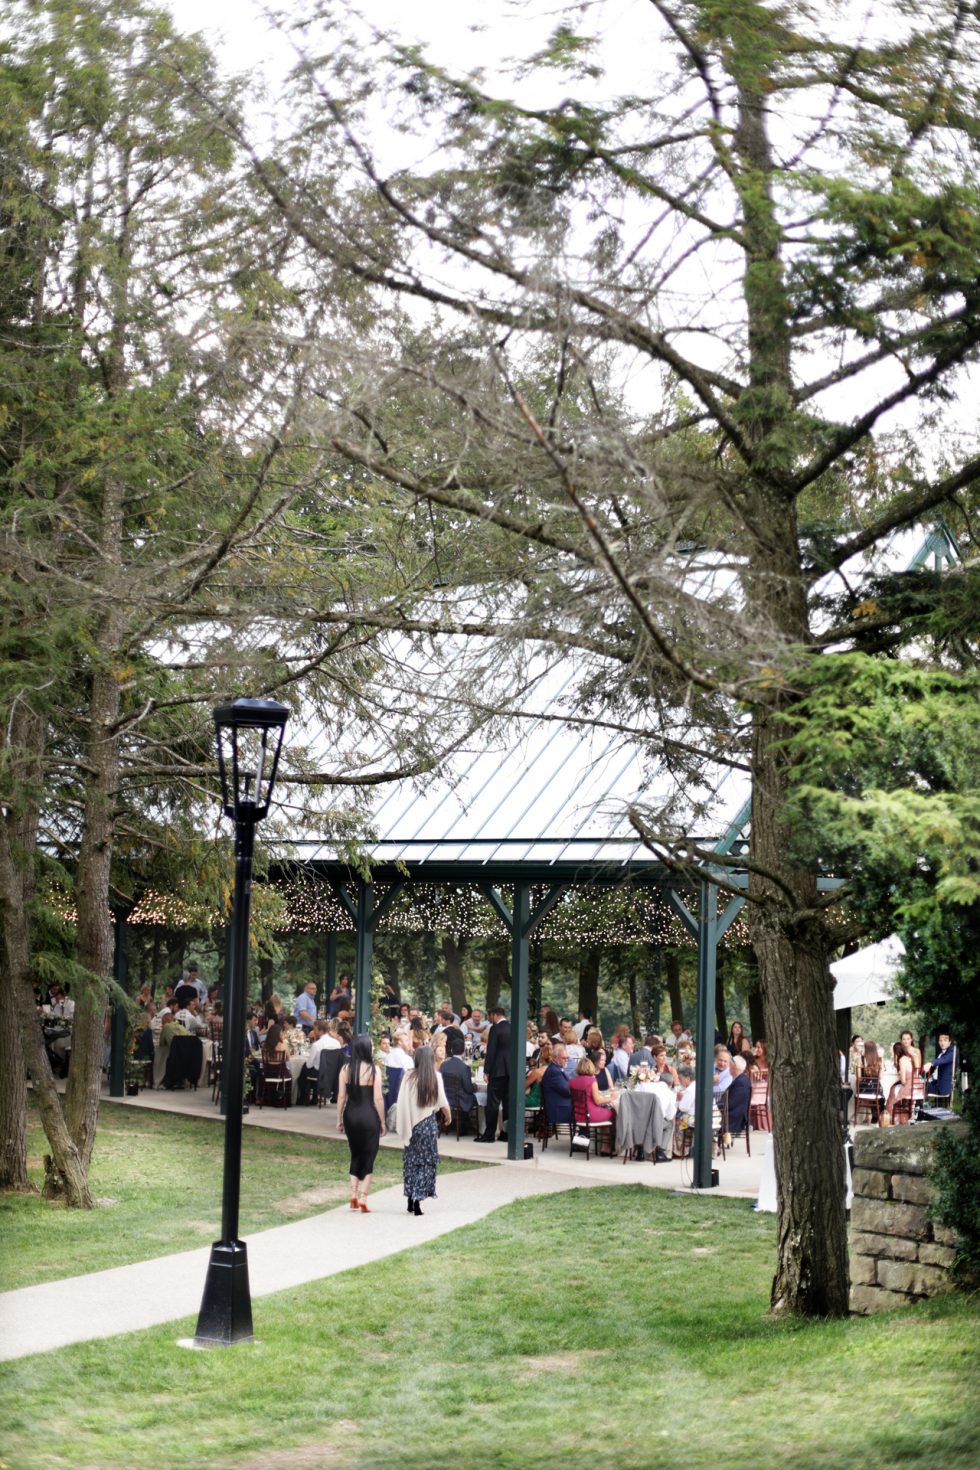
[343,897]
[495,901]
[553,896]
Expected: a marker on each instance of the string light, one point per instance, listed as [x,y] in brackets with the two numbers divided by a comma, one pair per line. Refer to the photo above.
[585,914]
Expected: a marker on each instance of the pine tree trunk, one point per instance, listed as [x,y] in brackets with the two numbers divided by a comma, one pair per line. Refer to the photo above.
[498,971]
[535,975]
[672,968]
[453,951]
[13,1093]
[797,997]
[721,1016]
[588,981]
[66,1170]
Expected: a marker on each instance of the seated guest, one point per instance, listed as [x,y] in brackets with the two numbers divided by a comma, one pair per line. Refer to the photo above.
[401,1055]
[722,1072]
[686,1093]
[596,1101]
[216,1020]
[913,1051]
[170,1027]
[621,1057]
[574,1050]
[642,1056]
[532,1082]
[454,1070]
[275,1047]
[942,1069]
[325,1038]
[905,1067]
[739,1096]
[603,1075]
[664,1067]
[550,1023]
[191,1019]
[446,1025]
[438,1048]
[476,1028]
[671,1041]
[556,1097]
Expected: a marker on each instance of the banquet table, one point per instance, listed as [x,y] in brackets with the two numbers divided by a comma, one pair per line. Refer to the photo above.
[296,1065]
[641,1123]
[160,1062]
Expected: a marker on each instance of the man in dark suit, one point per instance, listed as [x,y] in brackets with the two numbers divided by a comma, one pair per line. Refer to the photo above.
[739,1094]
[496,1069]
[455,1071]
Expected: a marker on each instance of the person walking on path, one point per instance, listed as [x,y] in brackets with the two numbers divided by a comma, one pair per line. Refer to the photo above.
[421,1096]
[361,1115]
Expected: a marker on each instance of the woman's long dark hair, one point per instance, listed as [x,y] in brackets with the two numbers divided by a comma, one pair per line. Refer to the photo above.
[426,1078]
[272,1039]
[361,1053]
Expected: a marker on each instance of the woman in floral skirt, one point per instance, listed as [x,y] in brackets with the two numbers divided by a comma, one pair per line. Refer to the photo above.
[422,1095]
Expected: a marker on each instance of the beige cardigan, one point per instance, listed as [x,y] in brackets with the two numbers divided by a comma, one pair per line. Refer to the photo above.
[408,1113]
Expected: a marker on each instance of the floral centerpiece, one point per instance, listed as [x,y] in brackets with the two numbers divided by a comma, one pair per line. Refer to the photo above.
[296,1041]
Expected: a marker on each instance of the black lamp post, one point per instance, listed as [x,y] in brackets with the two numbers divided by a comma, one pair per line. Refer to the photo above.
[249,735]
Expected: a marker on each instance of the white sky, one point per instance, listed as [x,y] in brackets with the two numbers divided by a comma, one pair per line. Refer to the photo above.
[487,33]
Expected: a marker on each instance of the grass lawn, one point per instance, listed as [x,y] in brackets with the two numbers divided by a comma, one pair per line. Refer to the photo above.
[617,1328]
[159,1179]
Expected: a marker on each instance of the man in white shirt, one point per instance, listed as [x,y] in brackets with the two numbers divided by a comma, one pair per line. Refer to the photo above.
[582,1024]
[401,1053]
[191,1019]
[324,1042]
[476,1028]
[621,1056]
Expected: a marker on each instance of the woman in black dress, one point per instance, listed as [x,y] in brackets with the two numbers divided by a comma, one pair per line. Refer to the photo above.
[361,1115]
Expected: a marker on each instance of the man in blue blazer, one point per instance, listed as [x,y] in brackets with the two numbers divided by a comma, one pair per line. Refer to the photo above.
[556,1095]
[940,1071]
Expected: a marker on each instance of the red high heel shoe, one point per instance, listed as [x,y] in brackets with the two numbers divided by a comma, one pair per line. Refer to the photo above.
[353,1201]
[362,1205]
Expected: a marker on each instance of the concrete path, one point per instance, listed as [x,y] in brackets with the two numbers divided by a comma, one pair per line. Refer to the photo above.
[37,1319]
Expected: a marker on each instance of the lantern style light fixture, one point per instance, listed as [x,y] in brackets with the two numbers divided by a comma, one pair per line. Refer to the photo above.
[249,735]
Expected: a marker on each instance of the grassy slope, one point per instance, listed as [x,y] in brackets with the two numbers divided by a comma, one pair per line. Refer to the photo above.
[162,1175]
[585,1330]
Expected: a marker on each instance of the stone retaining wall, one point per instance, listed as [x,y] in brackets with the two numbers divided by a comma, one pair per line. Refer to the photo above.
[898,1254]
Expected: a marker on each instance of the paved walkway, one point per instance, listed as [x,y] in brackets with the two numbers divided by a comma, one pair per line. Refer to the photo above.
[126,1298]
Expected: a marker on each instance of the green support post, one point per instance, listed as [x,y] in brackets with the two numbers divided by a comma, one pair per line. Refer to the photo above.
[520,944]
[365,951]
[120,973]
[707,928]
[705,1034]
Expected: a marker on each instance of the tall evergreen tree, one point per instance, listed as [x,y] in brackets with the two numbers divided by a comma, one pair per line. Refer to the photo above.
[680,356]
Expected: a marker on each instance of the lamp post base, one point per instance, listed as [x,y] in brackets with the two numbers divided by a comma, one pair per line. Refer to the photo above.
[226,1307]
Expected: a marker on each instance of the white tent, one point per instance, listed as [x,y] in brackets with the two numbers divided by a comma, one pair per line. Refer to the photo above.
[868,975]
